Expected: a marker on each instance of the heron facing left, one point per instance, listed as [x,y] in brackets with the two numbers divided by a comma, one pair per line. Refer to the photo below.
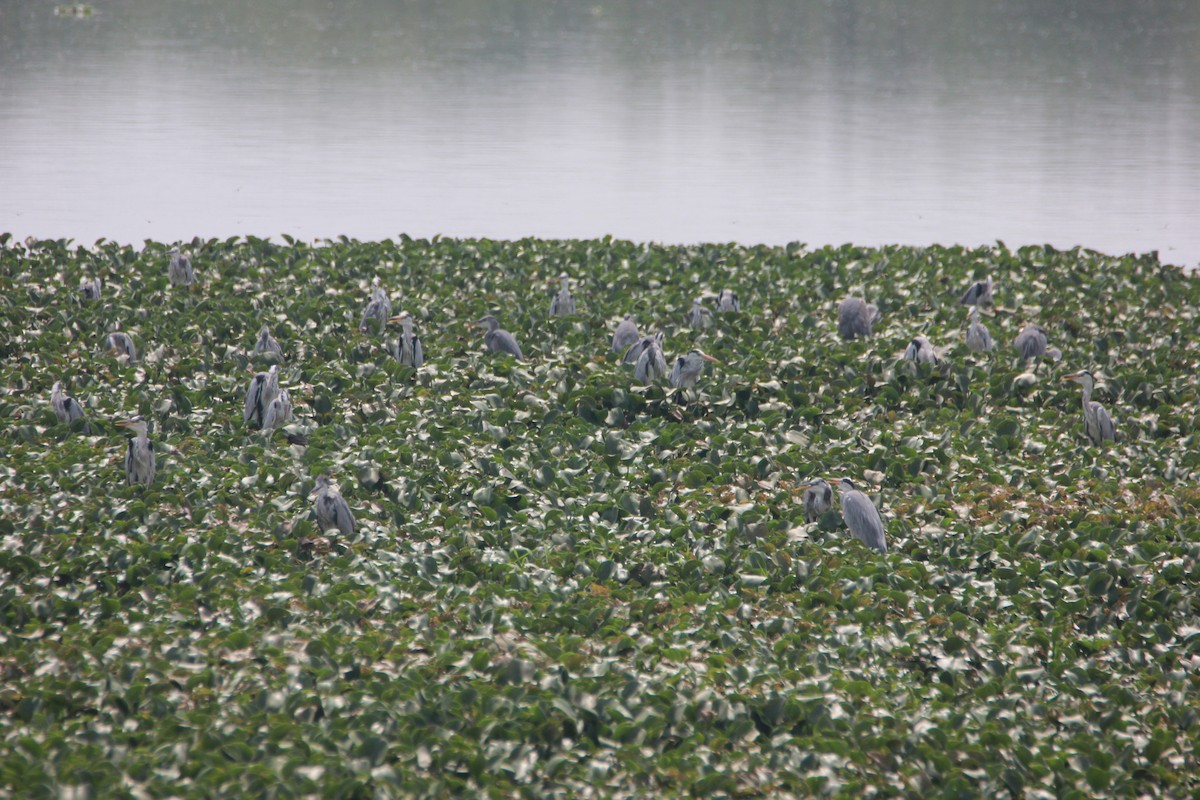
[378,308]
[139,456]
[408,349]
[66,408]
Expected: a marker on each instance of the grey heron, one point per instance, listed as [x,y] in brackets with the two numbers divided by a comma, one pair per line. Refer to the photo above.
[979,294]
[278,412]
[497,339]
[1097,424]
[978,339]
[688,367]
[180,272]
[408,347]
[90,289]
[862,518]
[651,364]
[66,408]
[625,336]
[921,350]
[139,456]
[699,317]
[266,344]
[563,304]
[818,498]
[378,308]
[856,317]
[120,344]
[332,509]
[727,301]
[1031,343]
[263,389]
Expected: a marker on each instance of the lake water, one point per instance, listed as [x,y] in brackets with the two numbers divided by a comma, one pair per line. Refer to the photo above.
[951,121]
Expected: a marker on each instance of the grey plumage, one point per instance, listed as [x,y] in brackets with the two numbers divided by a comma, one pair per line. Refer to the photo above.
[119,344]
[180,271]
[688,367]
[139,454]
[263,389]
[1032,343]
[625,336]
[266,344]
[332,509]
[727,301]
[90,289]
[979,293]
[818,499]
[378,308]
[651,364]
[979,339]
[563,304]
[408,349]
[278,412]
[497,339]
[921,350]
[861,516]
[856,318]
[66,408]
[699,317]
[1097,424]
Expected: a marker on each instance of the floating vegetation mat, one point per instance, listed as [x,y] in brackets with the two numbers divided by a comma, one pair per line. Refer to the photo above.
[562,583]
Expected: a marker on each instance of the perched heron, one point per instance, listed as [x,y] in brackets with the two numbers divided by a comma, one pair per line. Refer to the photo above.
[818,498]
[180,272]
[408,349]
[921,350]
[651,364]
[120,344]
[379,308]
[66,408]
[266,344]
[332,510]
[1031,343]
[978,339]
[90,289]
[278,412]
[625,336]
[699,317]
[139,457]
[688,367]
[1097,424]
[727,301]
[563,304]
[263,389]
[497,339]
[856,317]
[980,293]
[862,518]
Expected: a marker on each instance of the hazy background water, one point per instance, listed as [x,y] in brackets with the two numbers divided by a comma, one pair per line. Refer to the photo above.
[950,121]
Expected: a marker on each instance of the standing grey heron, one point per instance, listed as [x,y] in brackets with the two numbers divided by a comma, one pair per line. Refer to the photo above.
[688,367]
[862,518]
[1097,424]
[625,336]
[1031,343]
[818,498]
[979,294]
[699,317]
[727,301]
[332,509]
[263,389]
[90,289]
[120,344]
[978,339]
[651,364]
[66,408]
[139,457]
[921,350]
[180,272]
[408,347]
[497,339]
[266,345]
[378,308]
[563,304]
[278,412]
[856,317]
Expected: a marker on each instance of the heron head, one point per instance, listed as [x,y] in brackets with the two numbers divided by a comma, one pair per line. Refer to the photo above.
[842,483]
[137,424]
[401,317]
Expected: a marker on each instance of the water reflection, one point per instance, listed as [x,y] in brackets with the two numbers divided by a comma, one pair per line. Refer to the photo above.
[677,121]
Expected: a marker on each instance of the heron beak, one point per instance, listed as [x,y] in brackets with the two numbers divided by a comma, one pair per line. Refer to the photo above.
[707,357]
[398,318]
[834,481]
[1073,377]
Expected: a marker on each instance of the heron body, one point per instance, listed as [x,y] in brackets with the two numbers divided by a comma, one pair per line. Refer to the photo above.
[497,339]
[332,509]
[90,289]
[120,344]
[180,272]
[979,293]
[139,456]
[699,317]
[978,339]
[66,408]
[379,308]
[727,301]
[278,412]
[921,350]
[625,336]
[1097,424]
[266,344]
[817,499]
[563,304]
[408,347]
[1031,342]
[861,516]
[856,317]
[688,367]
[651,364]
[262,391]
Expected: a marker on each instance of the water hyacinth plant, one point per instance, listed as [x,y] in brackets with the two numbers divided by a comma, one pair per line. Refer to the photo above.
[563,583]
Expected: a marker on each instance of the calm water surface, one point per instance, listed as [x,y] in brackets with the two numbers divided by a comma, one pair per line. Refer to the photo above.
[680,120]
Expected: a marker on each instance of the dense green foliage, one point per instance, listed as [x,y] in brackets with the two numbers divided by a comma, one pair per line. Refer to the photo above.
[567,585]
